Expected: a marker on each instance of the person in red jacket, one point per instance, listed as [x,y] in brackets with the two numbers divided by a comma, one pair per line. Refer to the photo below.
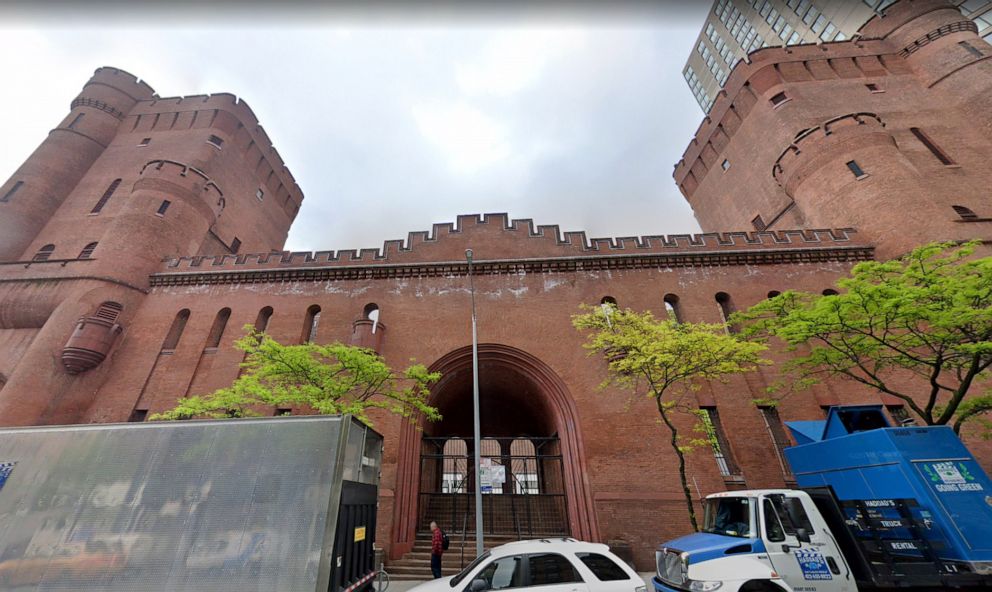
[437,549]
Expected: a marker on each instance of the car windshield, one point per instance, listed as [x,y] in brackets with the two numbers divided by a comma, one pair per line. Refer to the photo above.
[730,516]
[468,569]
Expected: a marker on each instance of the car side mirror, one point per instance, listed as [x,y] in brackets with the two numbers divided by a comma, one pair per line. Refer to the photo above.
[802,535]
[478,585]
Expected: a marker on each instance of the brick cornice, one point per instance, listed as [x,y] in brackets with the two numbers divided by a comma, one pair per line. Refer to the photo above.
[601,262]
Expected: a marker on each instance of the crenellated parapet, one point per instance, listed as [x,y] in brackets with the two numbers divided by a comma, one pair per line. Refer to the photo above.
[856,129]
[885,46]
[504,245]
[170,168]
[227,113]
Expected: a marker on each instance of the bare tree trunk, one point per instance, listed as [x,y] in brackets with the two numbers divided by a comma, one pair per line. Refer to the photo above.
[678,452]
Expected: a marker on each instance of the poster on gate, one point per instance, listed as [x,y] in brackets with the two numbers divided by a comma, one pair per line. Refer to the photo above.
[486,475]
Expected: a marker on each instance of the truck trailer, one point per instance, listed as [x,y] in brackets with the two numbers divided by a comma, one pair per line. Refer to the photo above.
[878,508]
[284,503]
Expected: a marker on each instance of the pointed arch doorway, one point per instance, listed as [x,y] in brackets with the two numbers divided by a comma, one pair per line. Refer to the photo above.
[529,427]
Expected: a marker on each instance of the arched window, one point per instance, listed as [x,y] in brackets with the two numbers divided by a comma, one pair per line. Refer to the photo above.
[608,300]
[830,292]
[965,213]
[454,469]
[523,465]
[43,253]
[217,330]
[109,311]
[105,197]
[175,331]
[672,307]
[726,306]
[773,293]
[310,323]
[87,251]
[371,312]
[262,320]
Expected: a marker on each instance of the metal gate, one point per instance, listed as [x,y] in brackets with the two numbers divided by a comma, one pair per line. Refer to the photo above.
[530,500]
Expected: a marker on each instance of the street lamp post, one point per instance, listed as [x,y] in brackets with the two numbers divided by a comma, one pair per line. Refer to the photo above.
[475,414]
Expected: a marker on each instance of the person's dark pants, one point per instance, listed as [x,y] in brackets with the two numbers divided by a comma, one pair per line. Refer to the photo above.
[436,565]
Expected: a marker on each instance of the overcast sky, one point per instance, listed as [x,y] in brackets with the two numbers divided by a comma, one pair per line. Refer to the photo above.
[392,121]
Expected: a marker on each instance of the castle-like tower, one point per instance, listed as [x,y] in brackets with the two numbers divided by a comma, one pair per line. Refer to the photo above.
[887,133]
[126,180]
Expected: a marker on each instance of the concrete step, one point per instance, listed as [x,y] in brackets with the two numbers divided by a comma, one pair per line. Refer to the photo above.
[418,573]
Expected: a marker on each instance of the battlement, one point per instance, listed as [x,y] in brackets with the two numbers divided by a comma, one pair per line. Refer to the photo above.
[184,170]
[124,81]
[495,238]
[865,121]
[239,109]
[768,68]
[880,48]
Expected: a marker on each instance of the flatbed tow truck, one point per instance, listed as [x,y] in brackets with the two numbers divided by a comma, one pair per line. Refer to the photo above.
[878,508]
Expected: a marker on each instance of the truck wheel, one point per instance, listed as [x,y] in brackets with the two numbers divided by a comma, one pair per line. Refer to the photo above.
[760,586]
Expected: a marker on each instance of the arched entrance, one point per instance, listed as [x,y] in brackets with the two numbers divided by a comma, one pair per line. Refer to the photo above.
[529,427]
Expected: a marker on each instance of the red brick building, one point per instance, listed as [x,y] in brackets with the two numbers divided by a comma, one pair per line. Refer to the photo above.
[145,232]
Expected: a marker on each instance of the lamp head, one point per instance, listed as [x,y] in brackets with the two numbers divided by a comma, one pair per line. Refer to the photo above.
[468,255]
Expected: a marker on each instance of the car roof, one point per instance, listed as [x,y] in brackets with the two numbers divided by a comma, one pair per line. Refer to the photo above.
[549,544]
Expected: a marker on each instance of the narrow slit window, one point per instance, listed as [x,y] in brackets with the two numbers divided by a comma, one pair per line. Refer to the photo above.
[44,253]
[175,331]
[719,442]
[725,164]
[259,194]
[145,142]
[874,88]
[262,320]
[758,223]
[310,324]
[76,121]
[672,308]
[971,49]
[725,305]
[779,438]
[215,141]
[236,245]
[87,251]
[932,146]
[855,169]
[163,207]
[371,312]
[217,330]
[965,213]
[779,98]
[138,415]
[6,196]
[105,197]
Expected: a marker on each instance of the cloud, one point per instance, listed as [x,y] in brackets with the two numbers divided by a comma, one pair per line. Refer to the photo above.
[515,60]
[467,138]
[390,127]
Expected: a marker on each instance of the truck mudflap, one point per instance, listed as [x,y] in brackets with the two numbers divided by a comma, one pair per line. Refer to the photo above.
[892,543]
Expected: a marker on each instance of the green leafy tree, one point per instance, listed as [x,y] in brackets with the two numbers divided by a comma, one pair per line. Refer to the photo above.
[918,328]
[330,379]
[666,360]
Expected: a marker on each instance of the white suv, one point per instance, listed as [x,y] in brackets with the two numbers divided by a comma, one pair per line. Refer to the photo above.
[544,565]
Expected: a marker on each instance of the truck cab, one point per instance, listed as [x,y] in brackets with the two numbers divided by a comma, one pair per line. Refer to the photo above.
[880,507]
[773,539]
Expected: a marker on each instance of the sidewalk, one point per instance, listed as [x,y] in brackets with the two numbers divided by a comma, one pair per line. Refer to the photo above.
[404,585]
